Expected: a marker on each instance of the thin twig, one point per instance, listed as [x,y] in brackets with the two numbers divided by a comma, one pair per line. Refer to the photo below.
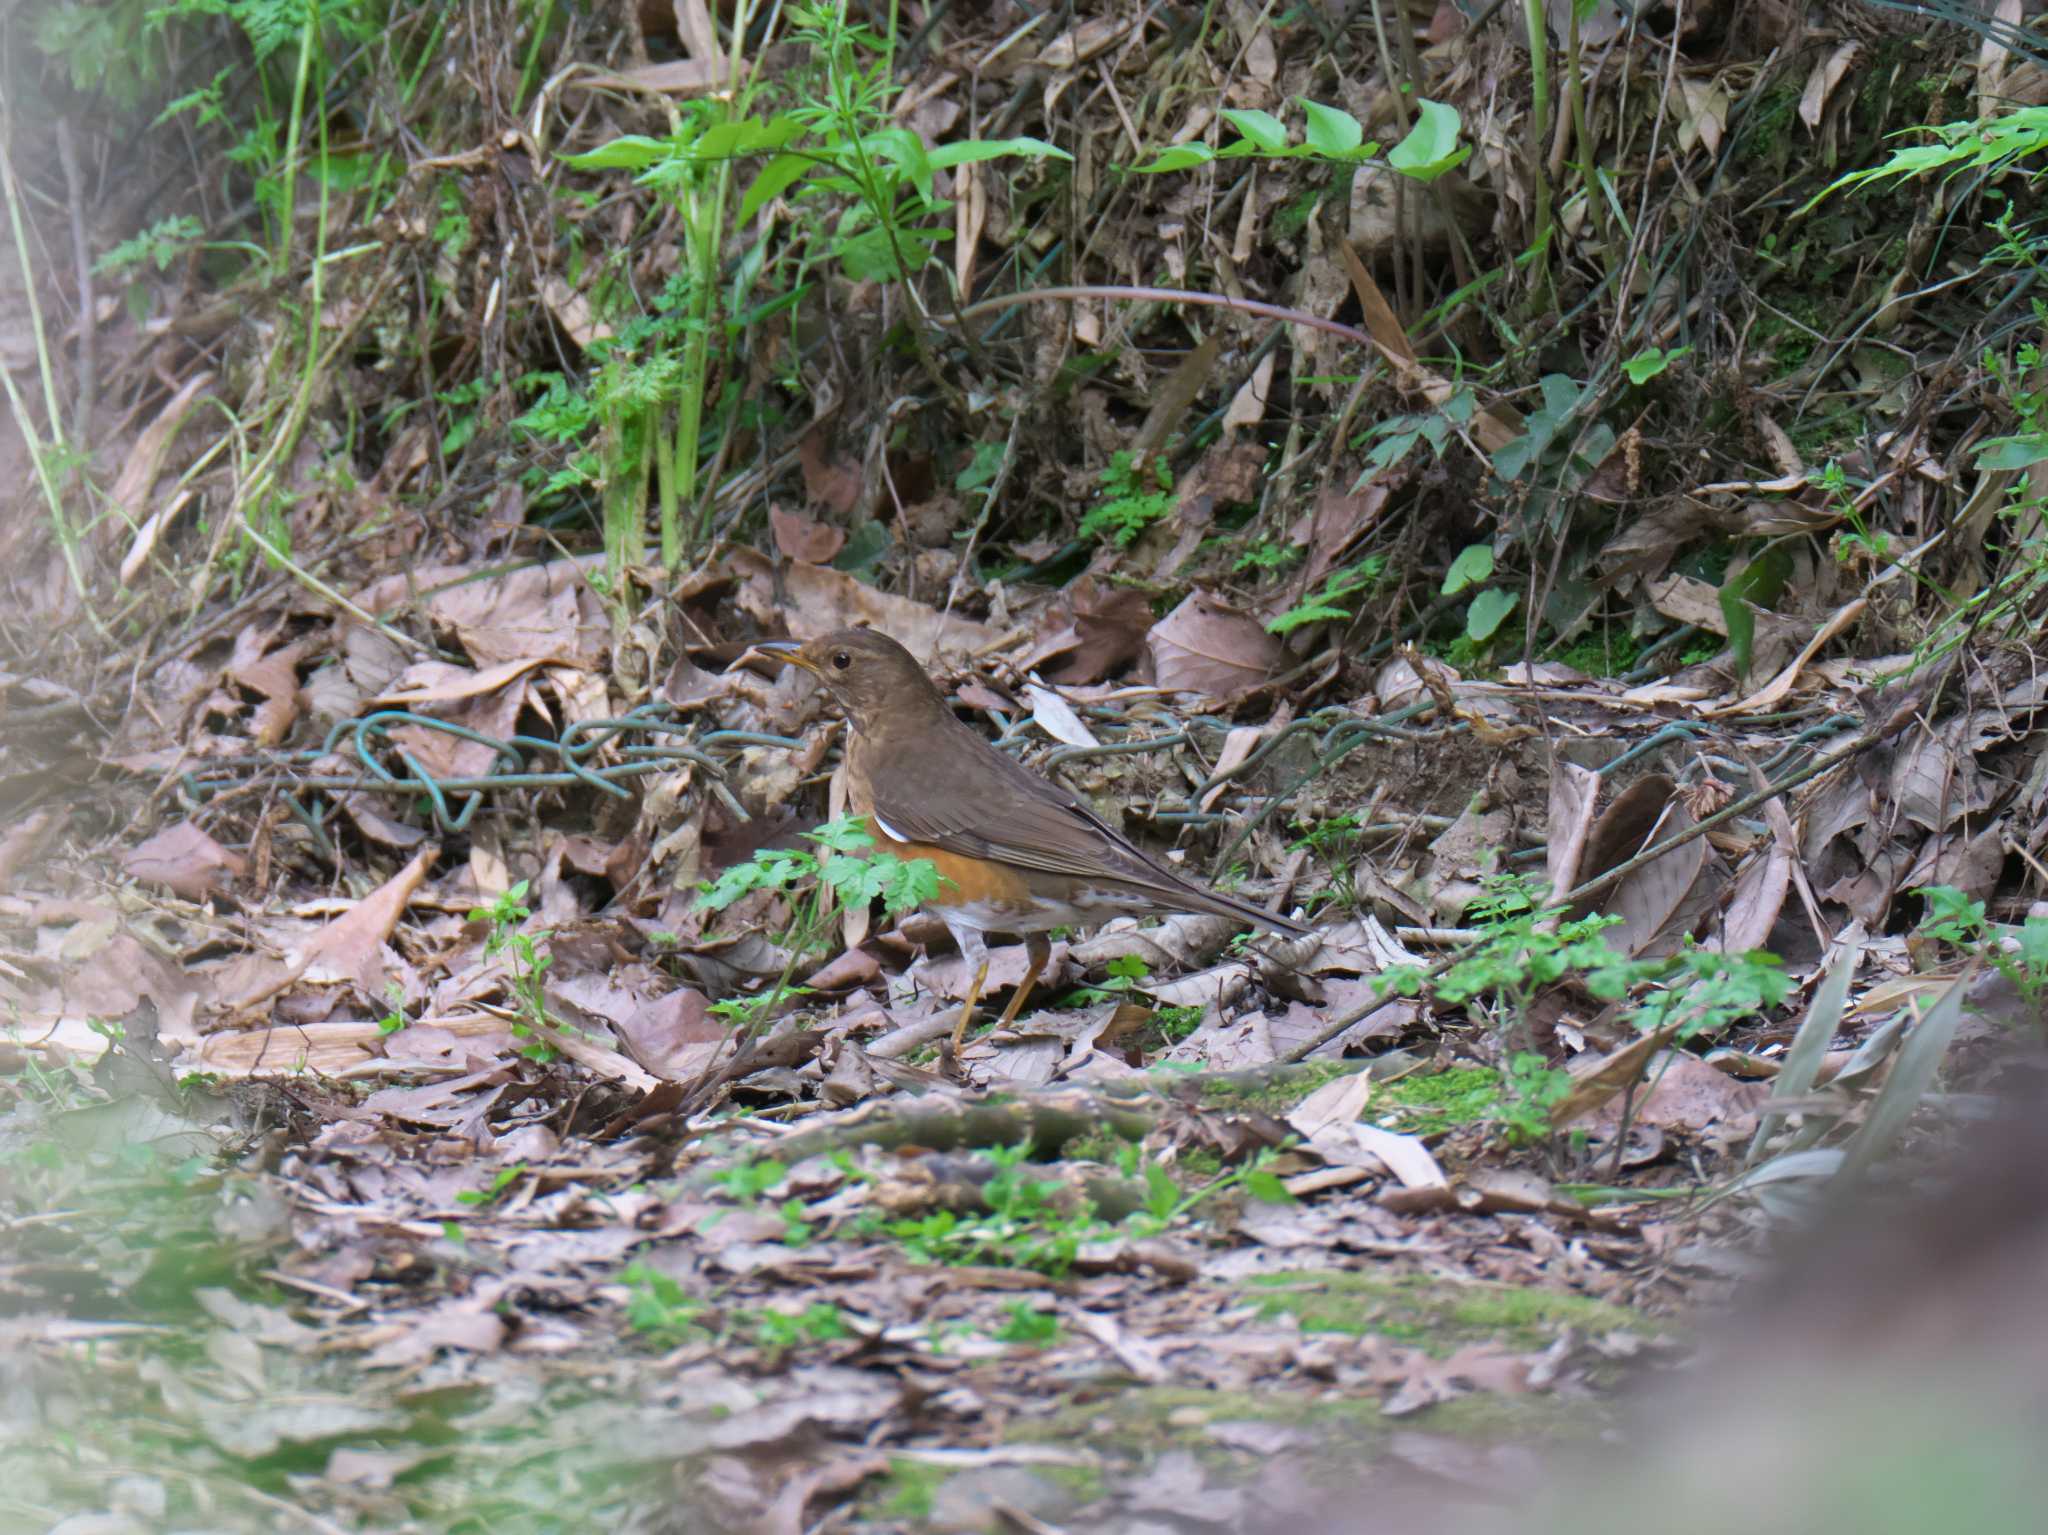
[87,390]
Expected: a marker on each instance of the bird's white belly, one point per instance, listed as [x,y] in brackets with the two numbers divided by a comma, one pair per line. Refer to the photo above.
[1085,910]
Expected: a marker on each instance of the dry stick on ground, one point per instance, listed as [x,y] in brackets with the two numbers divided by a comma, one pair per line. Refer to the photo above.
[1047,1117]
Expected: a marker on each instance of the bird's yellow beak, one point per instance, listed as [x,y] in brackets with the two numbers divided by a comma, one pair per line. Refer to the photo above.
[787,651]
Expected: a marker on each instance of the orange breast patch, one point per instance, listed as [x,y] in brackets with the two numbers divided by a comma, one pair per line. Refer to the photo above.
[965,881]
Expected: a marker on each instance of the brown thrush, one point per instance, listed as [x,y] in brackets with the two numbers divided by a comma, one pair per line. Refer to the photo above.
[1015,852]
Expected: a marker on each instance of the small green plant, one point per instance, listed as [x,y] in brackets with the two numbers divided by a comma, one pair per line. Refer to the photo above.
[1647,364]
[1703,992]
[2019,382]
[748,1183]
[2020,954]
[1333,604]
[780,1331]
[866,183]
[1267,554]
[1129,506]
[157,246]
[840,868]
[565,418]
[112,1030]
[464,417]
[1991,145]
[1490,606]
[1859,544]
[1333,843]
[658,1308]
[1523,947]
[1035,1223]
[1518,953]
[504,1179]
[527,963]
[1388,442]
[1124,978]
[1529,1091]
[1561,446]
[1029,1325]
[1332,136]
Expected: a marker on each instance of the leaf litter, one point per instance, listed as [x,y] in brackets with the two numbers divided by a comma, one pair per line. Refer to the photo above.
[392,1138]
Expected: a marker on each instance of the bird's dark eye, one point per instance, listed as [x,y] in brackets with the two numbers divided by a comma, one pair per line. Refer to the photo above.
[841,660]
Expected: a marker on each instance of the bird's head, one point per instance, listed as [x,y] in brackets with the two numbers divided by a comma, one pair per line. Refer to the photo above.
[864,671]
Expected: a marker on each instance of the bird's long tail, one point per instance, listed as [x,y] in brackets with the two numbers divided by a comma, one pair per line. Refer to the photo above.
[1217,904]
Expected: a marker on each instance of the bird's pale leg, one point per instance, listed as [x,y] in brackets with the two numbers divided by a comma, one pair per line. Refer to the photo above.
[967,1007]
[1037,954]
[974,949]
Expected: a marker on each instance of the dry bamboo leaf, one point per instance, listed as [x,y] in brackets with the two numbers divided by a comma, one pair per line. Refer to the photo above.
[1238,745]
[1082,43]
[1994,56]
[145,460]
[1248,406]
[670,77]
[1574,791]
[1622,830]
[1829,73]
[1494,427]
[1618,1069]
[1772,693]
[970,216]
[436,682]
[1655,900]
[699,36]
[1336,1103]
[1759,896]
[1056,717]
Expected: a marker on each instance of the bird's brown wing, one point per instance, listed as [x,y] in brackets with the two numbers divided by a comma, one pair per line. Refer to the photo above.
[1030,822]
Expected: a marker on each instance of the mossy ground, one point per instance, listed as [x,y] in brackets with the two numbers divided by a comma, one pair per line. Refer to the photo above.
[1432,1315]
[1120,1421]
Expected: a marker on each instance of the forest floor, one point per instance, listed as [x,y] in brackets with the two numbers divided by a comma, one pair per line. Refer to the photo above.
[463,1069]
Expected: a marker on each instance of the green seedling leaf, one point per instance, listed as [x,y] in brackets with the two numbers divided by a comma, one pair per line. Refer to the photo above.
[1162,1194]
[746,136]
[1331,132]
[1645,366]
[2021,452]
[848,834]
[973,151]
[777,177]
[870,255]
[1488,611]
[904,150]
[632,153]
[1265,131]
[1473,565]
[1431,147]
[1758,582]
[903,885]
[1266,1187]
[1180,157]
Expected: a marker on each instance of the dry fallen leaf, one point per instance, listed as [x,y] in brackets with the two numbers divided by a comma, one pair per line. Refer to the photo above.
[1206,646]
[185,860]
[805,538]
